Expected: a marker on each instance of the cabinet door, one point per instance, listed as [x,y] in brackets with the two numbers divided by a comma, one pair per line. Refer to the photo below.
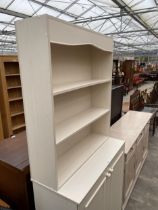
[145,140]
[139,153]
[117,183]
[129,175]
[96,199]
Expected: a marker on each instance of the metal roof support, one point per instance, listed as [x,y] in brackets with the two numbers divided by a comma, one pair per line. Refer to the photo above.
[116,15]
[12,13]
[7,41]
[8,33]
[127,9]
[6,23]
[84,12]
[53,8]
[68,7]
[132,31]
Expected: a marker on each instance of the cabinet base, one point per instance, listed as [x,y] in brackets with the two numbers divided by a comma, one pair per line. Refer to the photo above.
[134,182]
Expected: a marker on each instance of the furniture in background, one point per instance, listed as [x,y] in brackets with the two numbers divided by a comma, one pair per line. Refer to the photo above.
[1,129]
[15,185]
[136,103]
[127,67]
[68,115]
[116,102]
[133,128]
[137,80]
[117,78]
[11,102]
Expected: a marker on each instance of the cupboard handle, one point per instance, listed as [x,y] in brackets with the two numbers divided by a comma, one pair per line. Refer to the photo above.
[111,170]
[94,194]
[108,175]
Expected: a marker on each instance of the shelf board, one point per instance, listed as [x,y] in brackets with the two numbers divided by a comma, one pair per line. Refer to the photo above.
[15,99]
[16,127]
[17,113]
[60,89]
[12,75]
[74,124]
[72,160]
[14,87]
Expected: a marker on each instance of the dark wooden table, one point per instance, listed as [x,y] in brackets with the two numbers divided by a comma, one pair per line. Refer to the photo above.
[15,185]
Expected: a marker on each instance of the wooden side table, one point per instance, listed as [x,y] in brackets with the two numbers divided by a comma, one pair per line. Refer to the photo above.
[15,185]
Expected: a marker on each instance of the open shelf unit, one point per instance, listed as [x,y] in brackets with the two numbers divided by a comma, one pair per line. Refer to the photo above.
[68,109]
[11,96]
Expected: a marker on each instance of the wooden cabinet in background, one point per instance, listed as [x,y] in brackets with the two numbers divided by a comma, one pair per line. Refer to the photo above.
[15,185]
[11,101]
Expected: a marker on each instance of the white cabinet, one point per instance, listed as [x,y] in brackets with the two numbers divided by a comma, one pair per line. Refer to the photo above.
[117,183]
[107,192]
[134,129]
[66,84]
[96,200]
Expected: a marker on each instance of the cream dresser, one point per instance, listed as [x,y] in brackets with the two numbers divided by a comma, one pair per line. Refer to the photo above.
[133,128]
[66,84]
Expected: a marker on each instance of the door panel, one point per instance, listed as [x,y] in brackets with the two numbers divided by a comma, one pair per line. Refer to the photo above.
[117,184]
[96,200]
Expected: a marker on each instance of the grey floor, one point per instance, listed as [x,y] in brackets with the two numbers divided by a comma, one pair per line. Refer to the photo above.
[145,193]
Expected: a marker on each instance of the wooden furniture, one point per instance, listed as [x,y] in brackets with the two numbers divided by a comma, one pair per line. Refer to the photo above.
[137,80]
[116,102]
[11,101]
[1,129]
[68,115]
[128,68]
[133,128]
[15,185]
[137,104]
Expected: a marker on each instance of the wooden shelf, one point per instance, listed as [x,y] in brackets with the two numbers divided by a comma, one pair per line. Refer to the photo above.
[72,125]
[12,75]
[17,113]
[14,87]
[59,89]
[15,99]
[16,127]
[72,160]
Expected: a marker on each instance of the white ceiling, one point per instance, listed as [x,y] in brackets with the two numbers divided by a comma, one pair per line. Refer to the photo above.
[133,27]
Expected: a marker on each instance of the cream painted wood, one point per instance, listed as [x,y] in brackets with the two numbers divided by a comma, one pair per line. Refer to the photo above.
[83,192]
[36,79]
[117,183]
[47,199]
[139,152]
[77,122]
[79,63]
[106,185]
[129,127]
[72,160]
[64,88]
[96,200]
[76,35]
[145,140]
[66,83]
[129,175]
[132,185]
[79,185]
[133,128]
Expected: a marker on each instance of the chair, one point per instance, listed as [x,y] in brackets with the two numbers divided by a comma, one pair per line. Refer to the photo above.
[137,104]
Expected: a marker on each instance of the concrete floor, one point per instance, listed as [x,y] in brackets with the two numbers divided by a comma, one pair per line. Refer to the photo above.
[145,193]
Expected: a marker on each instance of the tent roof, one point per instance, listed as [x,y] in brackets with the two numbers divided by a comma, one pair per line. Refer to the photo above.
[133,24]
